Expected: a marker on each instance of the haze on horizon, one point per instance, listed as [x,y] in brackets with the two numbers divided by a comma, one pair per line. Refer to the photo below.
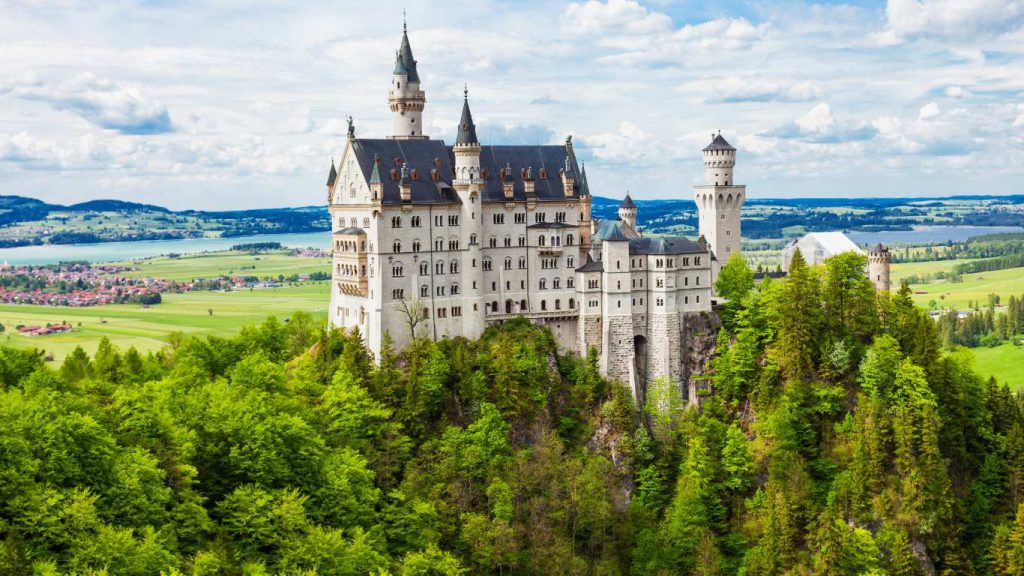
[234,104]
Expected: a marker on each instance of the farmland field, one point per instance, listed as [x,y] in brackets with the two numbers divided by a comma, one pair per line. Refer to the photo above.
[1005,362]
[213,264]
[973,288]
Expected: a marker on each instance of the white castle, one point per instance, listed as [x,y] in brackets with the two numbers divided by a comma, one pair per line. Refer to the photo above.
[443,241]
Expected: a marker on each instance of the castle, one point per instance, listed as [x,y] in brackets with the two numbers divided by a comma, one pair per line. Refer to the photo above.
[443,241]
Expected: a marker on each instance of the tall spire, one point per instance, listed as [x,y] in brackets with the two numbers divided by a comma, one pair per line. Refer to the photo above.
[467,129]
[404,60]
[584,186]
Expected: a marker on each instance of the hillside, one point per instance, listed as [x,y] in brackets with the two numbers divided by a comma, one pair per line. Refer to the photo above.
[27,221]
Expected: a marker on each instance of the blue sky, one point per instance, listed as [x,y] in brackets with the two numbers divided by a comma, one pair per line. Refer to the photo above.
[242,104]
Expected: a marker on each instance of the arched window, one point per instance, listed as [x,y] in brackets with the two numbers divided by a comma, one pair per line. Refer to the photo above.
[396,221]
[424,291]
[439,244]
[522,262]
[453,268]
[472,239]
[492,242]
[558,304]
[494,306]
[570,262]
[439,268]
[522,305]
[508,263]
[556,283]
[424,268]
[543,305]
[569,240]
[455,289]
[540,240]
[572,303]
[397,246]
[570,282]
[543,283]
[396,271]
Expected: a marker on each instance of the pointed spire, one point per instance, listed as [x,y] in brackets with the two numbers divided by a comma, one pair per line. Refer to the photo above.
[375,173]
[467,129]
[333,175]
[627,202]
[404,61]
[584,186]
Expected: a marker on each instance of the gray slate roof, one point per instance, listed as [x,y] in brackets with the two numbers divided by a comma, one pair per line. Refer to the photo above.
[352,230]
[591,265]
[332,176]
[627,202]
[672,245]
[419,155]
[550,158]
[718,143]
[607,227]
[551,225]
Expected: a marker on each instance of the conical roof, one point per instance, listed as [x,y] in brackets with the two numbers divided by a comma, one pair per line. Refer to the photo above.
[718,143]
[627,202]
[467,130]
[375,175]
[332,176]
[584,186]
[404,62]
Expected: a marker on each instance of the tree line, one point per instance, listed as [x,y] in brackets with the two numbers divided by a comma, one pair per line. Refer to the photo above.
[836,436]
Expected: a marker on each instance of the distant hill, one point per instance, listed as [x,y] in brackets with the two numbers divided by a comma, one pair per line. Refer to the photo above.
[26,221]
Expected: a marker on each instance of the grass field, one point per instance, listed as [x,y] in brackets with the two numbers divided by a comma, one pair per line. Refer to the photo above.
[974,287]
[1005,362]
[213,264]
[149,328]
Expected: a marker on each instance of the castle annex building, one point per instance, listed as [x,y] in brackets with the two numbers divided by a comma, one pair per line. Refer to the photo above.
[444,240]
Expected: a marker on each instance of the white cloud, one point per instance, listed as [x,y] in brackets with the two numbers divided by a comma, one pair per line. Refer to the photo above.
[108,104]
[955,91]
[1019,121]
[617,16]
[628,145]
[928,111]
[951,18]
[735,89]
[819,126]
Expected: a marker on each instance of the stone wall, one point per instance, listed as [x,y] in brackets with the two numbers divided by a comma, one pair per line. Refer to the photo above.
[698,333]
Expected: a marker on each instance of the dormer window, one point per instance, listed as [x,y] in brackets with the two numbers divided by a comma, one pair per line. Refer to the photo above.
[394,175]
[415,175]
[544,173]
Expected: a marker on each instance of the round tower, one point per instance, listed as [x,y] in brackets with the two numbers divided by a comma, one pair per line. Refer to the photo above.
[627,212]
[879,262]
[405,99]
[467,145]
[719,160]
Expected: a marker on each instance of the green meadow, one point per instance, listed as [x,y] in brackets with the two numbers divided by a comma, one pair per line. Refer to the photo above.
[213,264]
[196,313]
[1005,362]
[972,288]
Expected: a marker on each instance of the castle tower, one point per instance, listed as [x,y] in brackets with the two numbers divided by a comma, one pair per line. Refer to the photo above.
[719,201]
[627,212]
[585,213]
[467,184]
[879,261]
[405,98]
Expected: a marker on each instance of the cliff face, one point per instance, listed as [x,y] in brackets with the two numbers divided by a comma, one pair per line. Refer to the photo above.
[698,335]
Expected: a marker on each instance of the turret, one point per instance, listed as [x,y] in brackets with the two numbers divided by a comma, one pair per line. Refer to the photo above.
[331,178]
[719,202]
[467,145]
[376,184]
[879,262]
[719,160]
[568,175]
[405,98]
[627,212]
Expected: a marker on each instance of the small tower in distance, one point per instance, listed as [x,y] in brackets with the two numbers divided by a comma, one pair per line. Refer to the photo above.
[627,212]
[879,262]
[405,98]
[719,201]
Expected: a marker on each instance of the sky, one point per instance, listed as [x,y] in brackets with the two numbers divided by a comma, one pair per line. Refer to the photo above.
[242,104]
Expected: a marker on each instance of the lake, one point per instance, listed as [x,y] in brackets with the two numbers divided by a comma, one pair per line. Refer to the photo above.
[928,234]
[116,251]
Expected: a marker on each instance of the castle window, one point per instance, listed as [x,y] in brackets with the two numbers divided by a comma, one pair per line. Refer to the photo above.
[508,263]
[397,246]
[540,240]
[492,242]
[453,268]
[618,265]
[660,282]
[398,294]
[396,271]
[570,262]
[556,283]
[522,305]
[439,244]
[520,217]
[366,222]
[487,266]
[696,261]
[439,290]
[455,289]
[442,313]
[396,221]
[543,284]
[415,223]
[698,299]
[494,306]
[456,310]
[522,241]
[438,220]
[522,263]
[499,218]
[686,299]
[415,245]
[424,269]
[686,281]
[543,304]
[424,291]
[569,240]
[572,303]
[661,301]
[508,241]
[570,282]
[453,244]
[472,239]
[558,304]
[439,268]
[697,280]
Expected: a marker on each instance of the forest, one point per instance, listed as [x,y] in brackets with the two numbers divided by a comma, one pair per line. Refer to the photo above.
[837,436]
